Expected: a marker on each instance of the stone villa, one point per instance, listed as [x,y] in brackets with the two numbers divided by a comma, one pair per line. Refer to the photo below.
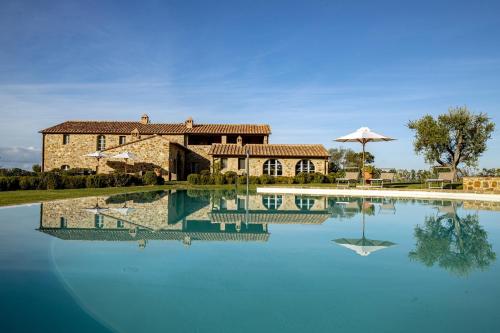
[176,150]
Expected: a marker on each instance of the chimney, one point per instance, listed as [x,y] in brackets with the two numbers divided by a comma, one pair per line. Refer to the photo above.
[239,141]
[144,119]
[189,123]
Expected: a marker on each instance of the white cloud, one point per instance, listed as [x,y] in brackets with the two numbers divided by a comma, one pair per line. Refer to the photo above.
[19,157]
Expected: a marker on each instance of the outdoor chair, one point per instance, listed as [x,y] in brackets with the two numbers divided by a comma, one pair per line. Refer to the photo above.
[385,177]
[443,177]
[351,177]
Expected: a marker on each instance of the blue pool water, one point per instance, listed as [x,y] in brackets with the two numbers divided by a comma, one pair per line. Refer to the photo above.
[226,262]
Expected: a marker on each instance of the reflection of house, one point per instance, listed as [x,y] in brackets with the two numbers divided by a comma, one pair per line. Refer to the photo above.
[163,216]
[176,149]
[176,216]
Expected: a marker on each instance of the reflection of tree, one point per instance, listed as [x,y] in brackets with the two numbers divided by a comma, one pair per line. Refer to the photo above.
[459,245]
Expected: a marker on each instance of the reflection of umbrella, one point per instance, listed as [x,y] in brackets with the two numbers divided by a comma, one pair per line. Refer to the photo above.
[97,155]
[126,156]
[363,246]
[96,210]
[363,135]
[123,210]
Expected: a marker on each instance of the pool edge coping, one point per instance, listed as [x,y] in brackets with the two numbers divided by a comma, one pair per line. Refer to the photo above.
[382,193]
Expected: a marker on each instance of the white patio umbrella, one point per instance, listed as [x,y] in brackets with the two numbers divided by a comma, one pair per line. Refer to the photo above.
[97,155]
[126,156]
[363,135]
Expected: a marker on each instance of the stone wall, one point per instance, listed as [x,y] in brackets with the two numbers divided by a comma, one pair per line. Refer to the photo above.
[56,154]
[482,205]
[256,165]
[198,154]
[482,184]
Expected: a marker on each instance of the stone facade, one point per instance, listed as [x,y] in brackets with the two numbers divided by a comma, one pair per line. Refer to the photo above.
[175,149]
[482,184]
[256,165]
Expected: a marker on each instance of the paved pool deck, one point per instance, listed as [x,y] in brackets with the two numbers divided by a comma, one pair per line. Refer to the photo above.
[382,193]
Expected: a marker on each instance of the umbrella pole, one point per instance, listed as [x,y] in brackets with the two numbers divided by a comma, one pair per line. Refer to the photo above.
[363,170]
[125,166]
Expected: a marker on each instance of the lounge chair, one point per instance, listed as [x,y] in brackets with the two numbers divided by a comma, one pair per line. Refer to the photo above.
[385,177]
[442,178]
[350,177]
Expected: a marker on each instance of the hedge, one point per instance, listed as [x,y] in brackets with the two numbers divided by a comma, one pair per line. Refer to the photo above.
[231,178]
[56,180]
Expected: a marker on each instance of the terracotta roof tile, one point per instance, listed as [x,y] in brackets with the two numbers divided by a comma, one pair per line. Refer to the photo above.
[279,150]
[126,127]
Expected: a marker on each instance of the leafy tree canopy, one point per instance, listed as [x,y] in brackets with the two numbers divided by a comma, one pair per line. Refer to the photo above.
[456,137]
[340,158]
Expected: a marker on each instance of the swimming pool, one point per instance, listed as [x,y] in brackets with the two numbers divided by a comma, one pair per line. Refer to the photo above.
[208,261]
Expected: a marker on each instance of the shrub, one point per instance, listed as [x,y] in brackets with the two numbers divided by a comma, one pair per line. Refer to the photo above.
[241,180]
[50,181]
[9,183]
[96,181]
[121,179]
[253,180]
[36,168]
[73,182]
[317,178]
[206,179]
[205,173]
[283,180]
[302,178]
[150,178]
[266,179]
[29,182]
[193,179]
[231,177]
[219,179]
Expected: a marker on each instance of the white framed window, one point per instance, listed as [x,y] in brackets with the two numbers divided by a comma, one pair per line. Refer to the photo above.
[99,221]
[101,142]
[304,203]
[120,224]
[272,202]
[122,139]
[65,167]
[304,166]
[272,167]
[242,163]
[223,163]
[65,139]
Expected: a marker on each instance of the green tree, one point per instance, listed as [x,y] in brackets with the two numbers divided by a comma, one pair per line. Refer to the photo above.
[356,159]
[36,168]
[458,245]
[456,137]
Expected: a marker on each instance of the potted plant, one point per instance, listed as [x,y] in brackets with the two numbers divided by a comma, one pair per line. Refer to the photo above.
[368,171]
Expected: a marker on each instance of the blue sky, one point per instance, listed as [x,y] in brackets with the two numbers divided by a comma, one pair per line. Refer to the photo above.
[312,70]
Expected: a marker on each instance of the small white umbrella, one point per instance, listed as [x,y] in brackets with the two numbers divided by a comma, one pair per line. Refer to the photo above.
[126,156]
[363,135]
[97,155]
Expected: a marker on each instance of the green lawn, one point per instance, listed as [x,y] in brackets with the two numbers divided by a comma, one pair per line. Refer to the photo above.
[31,196]
[23,197]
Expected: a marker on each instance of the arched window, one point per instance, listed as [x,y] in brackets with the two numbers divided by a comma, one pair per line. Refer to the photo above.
[304,166]
[101,142]
[272,202]
[65,167]
[304,203]
[99,221]
[273,168]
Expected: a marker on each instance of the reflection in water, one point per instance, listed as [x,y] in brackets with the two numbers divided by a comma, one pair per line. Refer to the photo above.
[177,215]
[363,246]
[457,244]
